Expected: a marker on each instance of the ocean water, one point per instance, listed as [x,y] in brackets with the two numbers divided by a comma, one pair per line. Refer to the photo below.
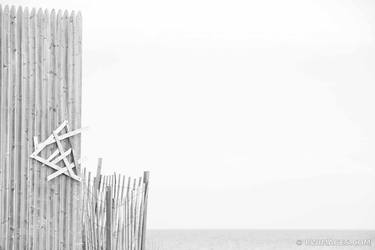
[259,240]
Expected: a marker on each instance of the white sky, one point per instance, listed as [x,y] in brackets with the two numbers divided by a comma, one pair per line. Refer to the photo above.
[249,114]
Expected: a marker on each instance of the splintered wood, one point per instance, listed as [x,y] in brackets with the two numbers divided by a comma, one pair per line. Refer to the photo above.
[114,212]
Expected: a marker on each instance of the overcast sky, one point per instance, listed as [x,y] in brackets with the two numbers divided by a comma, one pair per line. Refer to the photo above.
[249,114]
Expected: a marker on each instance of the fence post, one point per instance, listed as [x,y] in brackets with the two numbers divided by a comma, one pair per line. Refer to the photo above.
[146,176]
[97,181]
[98,176]
[108,213]
[96,189]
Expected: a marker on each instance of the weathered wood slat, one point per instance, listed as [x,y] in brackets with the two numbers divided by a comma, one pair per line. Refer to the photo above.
[12,140]
[33,126]
[23,128]
[54,121]
[2,121]
[4,160]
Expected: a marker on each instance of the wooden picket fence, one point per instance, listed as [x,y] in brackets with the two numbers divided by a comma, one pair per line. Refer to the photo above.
[114,211]
[40,87]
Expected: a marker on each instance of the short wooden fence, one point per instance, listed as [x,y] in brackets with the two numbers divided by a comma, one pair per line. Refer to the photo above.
[114,211]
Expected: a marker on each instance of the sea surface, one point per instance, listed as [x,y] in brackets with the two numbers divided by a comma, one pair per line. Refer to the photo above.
[259,239]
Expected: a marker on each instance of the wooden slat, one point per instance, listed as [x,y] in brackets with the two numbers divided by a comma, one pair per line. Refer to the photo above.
[60,118]
[70,113]
[54,122]
[34,125]
[146,177]
[12,130]
[5,85]
[4,124]
[27,126]
[46,114]
[38,130]
[108,219]
[23,16]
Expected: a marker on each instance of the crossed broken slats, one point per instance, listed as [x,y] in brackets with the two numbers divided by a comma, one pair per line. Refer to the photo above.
[59,154]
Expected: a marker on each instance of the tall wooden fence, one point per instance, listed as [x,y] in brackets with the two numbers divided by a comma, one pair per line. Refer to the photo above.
[40,87]
[114,212]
